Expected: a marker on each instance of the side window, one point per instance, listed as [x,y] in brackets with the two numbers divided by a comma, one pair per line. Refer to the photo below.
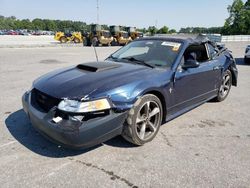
[211,50]
[199,52]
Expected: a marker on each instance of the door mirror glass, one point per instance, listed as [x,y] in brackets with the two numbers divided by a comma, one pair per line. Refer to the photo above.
[190,64]
[190,61]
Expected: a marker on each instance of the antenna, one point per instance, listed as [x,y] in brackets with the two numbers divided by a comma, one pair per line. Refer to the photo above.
[97,21]
[156,23]
[97,13]
[96,56]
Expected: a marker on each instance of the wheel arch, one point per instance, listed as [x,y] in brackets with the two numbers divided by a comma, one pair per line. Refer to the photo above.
[234,73]
[162,99]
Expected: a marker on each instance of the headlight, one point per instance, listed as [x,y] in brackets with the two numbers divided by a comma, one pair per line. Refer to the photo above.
[83,107]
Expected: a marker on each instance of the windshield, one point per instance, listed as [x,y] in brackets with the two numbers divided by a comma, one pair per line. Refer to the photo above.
[106,34]
[124,35]
[158,53]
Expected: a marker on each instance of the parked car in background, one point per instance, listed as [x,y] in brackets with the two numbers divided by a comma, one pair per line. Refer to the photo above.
[247,55]
[37,33]
[132,93]
[25,32]
[11,32]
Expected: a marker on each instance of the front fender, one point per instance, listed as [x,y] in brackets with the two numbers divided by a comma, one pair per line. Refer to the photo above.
[128,95]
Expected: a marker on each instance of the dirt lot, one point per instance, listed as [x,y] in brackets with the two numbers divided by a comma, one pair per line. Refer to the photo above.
[206,147]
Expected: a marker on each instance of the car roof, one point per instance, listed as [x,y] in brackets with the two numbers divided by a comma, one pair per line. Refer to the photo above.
[190,39]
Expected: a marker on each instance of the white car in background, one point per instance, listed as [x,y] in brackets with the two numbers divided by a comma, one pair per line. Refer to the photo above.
[247,54]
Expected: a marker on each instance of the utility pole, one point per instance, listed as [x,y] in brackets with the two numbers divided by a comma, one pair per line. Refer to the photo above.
[97,9]
[156,23]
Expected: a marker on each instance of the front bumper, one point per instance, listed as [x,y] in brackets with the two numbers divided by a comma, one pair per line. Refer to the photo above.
[74,133]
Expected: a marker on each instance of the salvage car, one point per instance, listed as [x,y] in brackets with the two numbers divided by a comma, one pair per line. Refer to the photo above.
[247,55]
[132,93]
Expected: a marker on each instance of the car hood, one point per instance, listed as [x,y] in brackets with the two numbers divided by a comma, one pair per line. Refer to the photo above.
[88,78]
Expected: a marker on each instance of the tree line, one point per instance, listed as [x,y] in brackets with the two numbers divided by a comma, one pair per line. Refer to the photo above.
[12,22]
[238,22]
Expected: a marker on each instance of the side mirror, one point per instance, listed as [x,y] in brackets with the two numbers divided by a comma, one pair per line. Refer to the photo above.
[190,64]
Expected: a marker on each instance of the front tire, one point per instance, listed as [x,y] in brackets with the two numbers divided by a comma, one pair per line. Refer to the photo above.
[225,86]
[144,120]
[76,40]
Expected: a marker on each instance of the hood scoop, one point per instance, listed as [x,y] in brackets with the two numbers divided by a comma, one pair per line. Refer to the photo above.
[97,66]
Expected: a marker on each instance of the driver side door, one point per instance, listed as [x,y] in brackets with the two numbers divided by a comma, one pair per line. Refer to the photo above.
[194,85]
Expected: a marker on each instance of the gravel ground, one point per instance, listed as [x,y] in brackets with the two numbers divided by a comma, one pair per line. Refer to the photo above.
[206,147]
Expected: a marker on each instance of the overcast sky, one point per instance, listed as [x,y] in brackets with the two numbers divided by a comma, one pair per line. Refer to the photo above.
[140,13]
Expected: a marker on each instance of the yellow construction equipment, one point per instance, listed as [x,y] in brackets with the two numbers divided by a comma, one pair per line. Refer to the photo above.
[75,37]
[133,33]
[98,37]
[121,38]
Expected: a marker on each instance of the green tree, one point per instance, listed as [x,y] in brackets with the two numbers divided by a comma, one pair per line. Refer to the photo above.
[9,22]
[236,23]
[25,24]
[50,25]
[163,30]
[2,22]
[246,14]
[152,30]
[171,31]
[38,24]
[186,30]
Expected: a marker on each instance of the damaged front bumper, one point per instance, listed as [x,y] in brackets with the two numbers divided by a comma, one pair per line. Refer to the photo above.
[72,132]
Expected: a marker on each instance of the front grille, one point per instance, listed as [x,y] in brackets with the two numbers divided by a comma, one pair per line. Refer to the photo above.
[42,101]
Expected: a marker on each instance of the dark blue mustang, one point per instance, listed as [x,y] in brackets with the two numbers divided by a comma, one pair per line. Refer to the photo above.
[135,90]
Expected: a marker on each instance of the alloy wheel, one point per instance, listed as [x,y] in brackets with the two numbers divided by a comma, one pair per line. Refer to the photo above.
[225,86]
[147,120]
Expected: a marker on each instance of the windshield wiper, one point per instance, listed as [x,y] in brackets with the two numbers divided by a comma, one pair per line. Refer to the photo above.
[141,62]
[112,57]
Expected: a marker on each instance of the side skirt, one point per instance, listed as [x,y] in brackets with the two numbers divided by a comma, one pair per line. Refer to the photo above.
[175,115]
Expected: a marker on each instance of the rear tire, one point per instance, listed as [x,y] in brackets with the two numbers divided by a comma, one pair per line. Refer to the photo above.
[225,86]
[63,40]
[144,120]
